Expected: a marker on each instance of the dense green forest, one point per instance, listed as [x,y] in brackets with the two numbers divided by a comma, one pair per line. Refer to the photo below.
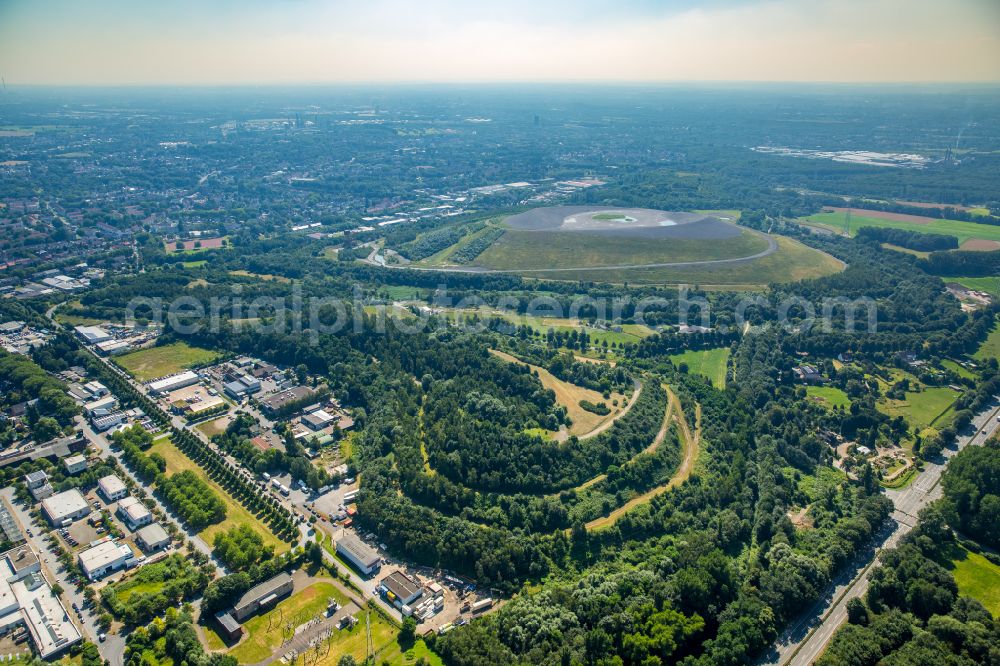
[914,612]
[456,473]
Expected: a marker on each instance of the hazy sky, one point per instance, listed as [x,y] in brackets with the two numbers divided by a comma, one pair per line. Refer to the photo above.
[292,41]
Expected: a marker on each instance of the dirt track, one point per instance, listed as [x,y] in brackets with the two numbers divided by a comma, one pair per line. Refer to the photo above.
[691,445]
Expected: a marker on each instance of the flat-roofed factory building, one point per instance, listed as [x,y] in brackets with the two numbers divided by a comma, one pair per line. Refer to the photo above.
[360,554]
[65,507]
[262,596]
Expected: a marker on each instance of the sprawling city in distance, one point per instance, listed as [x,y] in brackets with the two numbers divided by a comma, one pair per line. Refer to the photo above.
[593,333]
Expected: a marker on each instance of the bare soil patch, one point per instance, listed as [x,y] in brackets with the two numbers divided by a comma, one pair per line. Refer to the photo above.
[980,245]
[885,215]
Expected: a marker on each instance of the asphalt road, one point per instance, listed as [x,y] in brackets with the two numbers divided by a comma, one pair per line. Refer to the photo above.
[805,641]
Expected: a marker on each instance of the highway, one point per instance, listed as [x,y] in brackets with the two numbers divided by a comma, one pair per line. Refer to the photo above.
[805,640]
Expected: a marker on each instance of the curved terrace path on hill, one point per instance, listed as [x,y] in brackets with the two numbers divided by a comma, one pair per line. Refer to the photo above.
[691,445]
[569,395]
[649,449]
[636,390]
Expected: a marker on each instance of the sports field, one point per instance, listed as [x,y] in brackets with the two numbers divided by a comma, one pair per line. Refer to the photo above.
[156,362]
[236,513]
[709,363]
[964,231]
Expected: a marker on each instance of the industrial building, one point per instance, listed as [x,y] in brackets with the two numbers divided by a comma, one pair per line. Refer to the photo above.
[172,383]
[134,513]
[112,488]
[104,558]
[26,599]
[100,406]
[152,538]
[262,596]
[241,386]
[96,389]
[317,420]
[65,507]
[360,554]
[113,347]
[275,402]
[400,589]
[92,335]
[108,421]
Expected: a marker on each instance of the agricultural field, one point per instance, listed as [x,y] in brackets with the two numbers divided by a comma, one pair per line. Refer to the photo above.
[710,363]
[978,578]
[989,285]
[964,231]
[236,513]
[828,396]
[570,396]
[155,362]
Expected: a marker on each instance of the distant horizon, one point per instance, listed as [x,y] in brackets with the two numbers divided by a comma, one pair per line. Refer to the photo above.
[676,83]
[332,42]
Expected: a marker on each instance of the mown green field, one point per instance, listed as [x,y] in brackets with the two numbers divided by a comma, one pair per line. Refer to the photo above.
[991,347]
[963,230]
[792,262]
[959,370]
[520,250]
[236,513]
[924,408]
[710,363]
[829,396]
[156,362]
[267,631]
[978,578]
